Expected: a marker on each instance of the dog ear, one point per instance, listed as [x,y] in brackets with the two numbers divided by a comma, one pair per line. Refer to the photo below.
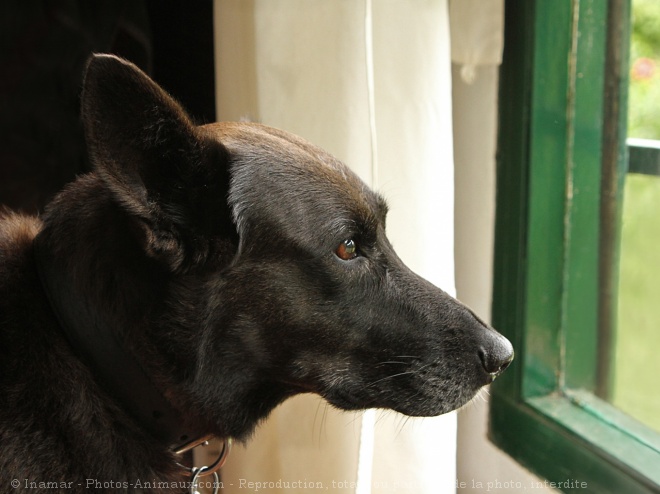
[166,170]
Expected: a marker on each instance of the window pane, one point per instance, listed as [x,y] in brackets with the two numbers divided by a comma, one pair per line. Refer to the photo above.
[637,341]
[635,365]
[644,90]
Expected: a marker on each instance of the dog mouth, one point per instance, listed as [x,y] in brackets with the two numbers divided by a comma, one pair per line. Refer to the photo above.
[340,395]
[414,393]
[346,400]
[412,402]
[414,386]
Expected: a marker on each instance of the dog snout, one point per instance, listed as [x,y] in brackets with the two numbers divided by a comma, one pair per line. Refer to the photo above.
[496,353]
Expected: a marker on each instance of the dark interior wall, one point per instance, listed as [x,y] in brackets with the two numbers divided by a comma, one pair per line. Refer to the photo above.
[44,45]
[183,63]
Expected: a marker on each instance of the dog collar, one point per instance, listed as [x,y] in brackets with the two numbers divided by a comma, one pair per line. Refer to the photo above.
[98,346]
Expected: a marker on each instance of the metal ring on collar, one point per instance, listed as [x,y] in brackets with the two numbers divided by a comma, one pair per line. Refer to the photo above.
[213,467]
[217,464]
[199,472]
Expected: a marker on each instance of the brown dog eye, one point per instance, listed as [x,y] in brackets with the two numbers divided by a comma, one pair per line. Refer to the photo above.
[347,250]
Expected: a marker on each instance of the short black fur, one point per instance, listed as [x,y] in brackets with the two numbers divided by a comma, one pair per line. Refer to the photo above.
[210,253]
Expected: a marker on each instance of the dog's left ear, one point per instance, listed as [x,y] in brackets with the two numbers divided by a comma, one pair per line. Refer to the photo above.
[167,171]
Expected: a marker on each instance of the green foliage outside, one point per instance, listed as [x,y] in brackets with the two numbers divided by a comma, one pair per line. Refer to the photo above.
[644,92]
[637,356]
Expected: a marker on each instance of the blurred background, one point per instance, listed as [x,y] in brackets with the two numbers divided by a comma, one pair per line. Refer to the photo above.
[636,362]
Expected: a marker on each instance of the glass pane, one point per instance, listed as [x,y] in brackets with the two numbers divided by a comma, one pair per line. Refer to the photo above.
[636,359]
[644,89]
[637,341]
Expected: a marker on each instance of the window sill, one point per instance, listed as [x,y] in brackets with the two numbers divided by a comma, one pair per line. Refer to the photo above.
[579,441]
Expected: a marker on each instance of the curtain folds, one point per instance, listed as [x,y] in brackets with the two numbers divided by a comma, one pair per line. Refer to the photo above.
[477,35]
[371,83]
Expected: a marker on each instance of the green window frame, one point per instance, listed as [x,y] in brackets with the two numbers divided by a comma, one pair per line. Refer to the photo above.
[561,161]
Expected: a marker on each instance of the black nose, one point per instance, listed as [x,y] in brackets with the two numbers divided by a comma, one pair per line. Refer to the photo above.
[496,353]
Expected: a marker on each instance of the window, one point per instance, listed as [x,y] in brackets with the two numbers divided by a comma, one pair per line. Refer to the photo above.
[633,384]
[561,163]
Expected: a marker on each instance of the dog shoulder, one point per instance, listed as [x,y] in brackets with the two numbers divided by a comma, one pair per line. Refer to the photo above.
[17,231]
[17,273]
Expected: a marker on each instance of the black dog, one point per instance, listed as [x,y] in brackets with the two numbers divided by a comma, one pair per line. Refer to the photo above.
[195,280]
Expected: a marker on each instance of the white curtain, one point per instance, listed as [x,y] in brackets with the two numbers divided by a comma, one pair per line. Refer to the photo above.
[477,35]
[371,83]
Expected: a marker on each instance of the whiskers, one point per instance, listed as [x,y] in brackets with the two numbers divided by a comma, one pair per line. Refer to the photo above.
[403,421]
[396,360]
[322,434]
[401,361]
[478,400]
[391,376]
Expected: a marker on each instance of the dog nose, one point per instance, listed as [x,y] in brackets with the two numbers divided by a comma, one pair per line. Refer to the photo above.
[496,354]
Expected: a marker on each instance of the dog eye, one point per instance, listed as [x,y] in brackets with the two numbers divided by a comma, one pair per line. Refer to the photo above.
[347,250]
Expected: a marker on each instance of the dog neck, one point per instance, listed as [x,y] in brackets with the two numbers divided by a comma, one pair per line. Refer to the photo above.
[97,344]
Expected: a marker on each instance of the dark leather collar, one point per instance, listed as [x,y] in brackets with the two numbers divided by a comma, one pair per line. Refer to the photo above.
[98,346]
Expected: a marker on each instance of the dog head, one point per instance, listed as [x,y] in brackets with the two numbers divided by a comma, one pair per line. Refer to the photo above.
[272,269]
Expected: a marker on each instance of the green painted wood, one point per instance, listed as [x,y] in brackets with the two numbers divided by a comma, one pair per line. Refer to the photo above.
[611,445]
[557,440]
[582,190]
[547,250]
[548,158]
[615,164]
[511,215]
[615,418]
[644,156]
